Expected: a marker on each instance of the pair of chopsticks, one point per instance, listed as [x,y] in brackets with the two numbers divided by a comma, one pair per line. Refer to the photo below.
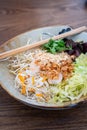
[39,43]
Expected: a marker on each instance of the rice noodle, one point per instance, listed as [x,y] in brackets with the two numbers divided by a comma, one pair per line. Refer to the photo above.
[28,79]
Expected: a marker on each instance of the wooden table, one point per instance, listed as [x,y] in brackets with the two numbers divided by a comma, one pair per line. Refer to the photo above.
[17,16]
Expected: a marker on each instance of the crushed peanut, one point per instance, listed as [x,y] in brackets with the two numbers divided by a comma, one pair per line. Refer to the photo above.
[52,68]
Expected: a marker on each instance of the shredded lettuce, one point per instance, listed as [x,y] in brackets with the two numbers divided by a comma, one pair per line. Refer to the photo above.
[74,87]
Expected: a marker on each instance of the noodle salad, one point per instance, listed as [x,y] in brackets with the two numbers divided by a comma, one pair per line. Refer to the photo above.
[55,72]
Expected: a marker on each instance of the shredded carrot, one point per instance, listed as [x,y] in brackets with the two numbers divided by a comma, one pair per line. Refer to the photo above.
[23,90]
[44,79]
[22,78]
[39,95]
[33,80]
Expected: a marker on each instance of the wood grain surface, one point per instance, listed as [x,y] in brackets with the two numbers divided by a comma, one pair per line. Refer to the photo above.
[17,16]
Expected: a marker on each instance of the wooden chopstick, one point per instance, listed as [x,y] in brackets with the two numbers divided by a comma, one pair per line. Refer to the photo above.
[39,43]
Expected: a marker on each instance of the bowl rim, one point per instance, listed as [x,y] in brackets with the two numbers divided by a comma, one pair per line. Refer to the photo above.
[33,29]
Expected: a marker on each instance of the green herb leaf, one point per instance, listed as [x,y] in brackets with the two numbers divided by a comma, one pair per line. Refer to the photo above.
[54,46]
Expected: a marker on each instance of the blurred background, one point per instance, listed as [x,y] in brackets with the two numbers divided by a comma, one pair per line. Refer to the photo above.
[17,16]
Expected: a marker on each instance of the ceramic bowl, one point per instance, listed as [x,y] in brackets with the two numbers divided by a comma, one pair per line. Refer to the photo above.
[7,79]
